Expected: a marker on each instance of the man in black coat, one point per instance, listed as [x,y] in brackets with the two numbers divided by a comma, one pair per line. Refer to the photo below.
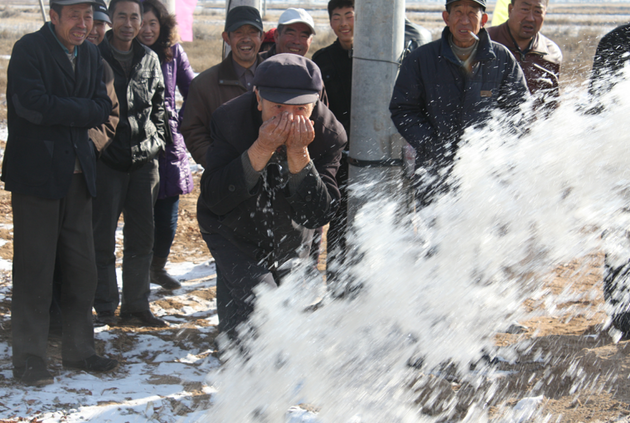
[128,178]
[55,93]
[611,57]
[269,181]
[449,85]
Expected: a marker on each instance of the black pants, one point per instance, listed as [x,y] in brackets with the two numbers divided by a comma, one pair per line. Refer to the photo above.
[46,230]
[237,275]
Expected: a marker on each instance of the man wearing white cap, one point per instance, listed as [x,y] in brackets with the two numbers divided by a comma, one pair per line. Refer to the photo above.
[294,34]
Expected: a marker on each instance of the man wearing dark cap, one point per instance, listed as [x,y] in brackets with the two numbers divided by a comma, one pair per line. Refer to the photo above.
[225,81]
[269,181]
[55,93]
[450,84]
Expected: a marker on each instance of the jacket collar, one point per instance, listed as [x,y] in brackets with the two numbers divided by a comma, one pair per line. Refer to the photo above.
[227,74]
[57,50]
[484,52]
[536,46]
[106,49]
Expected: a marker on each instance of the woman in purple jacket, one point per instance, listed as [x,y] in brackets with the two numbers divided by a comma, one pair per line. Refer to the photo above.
[159,33]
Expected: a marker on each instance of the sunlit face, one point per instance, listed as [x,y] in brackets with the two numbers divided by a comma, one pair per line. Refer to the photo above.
[342,24]
[74,24]
[270,109]
[126,21]
[295,38]
[245,43]
[466,16]
[98,32]
[150,30]
[526,17]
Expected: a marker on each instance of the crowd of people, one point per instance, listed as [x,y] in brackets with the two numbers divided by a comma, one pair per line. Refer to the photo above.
[94,131]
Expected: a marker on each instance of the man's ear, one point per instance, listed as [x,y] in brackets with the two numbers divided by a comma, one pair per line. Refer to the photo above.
[258,99]
[225,37]
[54,17]
[445,17]
[484,19]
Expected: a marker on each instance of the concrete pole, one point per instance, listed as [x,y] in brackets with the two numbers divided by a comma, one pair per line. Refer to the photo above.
[231,4]
[170,6]
[375,146]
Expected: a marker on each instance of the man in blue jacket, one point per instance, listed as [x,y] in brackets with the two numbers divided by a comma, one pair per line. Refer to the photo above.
[55,93]
[450,84]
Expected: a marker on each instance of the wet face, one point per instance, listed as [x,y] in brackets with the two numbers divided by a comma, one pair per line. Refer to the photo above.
[270,109]
[245,43]
[295,38]
[465,16]
[342,24]
[526,17]
[150,29]
[126,23]
[73,25]
[98,32]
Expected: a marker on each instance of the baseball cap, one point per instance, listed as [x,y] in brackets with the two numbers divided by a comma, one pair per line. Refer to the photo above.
[71,2]
[293,15]
[482,3]
[287,78]
[243,15]
[100,11]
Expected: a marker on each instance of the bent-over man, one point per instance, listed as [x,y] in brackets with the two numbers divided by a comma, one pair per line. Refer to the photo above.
[270,181]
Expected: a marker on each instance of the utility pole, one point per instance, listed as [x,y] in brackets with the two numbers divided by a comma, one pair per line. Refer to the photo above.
[231,4]
[170,6]
[375,145]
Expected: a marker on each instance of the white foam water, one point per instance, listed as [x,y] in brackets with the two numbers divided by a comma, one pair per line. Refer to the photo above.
[437,286]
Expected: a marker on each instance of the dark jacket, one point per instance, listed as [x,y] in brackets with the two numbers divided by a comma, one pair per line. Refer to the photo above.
[540,64]
[175,176]
[140,132]
[267,223]
[209,90]
[435,99]
[50,109]
[613,52]
[336,66]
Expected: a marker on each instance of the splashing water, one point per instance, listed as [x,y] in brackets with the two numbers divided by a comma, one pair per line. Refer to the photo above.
[437,293]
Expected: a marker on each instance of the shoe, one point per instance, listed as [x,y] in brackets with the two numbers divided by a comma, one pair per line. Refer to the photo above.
[95,363]
[159,275]
[146,318]
[34,372]
[105,318]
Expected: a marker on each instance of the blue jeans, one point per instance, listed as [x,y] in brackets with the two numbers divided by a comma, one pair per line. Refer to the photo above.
[165,216]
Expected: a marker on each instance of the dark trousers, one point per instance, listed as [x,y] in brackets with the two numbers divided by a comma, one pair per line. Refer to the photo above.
[617,293]
[45,230]
[133,194]
[237,275]
[165,216]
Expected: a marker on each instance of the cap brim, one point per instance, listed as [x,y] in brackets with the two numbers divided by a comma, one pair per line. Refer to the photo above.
[286,96]
[239,24]
[300,21]
[100,16]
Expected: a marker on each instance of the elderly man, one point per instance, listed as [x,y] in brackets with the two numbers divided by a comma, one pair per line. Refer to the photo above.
[128,179]
[294,33]
[269,183]
[450,84]
[55,93]
[225,81]
[539,57]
